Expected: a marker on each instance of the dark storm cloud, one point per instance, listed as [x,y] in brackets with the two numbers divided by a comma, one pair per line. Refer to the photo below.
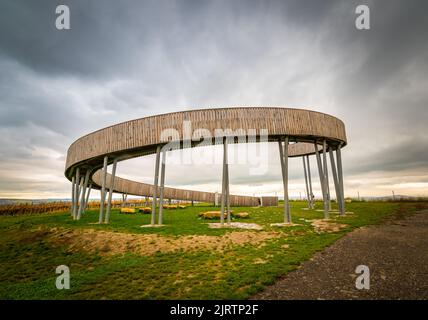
[103,38]
[109,38]
[31,103]
[411,153]
[128,59]
[380,83]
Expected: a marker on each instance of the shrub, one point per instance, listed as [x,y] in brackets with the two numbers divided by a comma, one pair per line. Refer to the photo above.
[127,210]
[146,210]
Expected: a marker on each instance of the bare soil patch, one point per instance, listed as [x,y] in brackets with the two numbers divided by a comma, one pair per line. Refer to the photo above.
[284,224]
[322,225]
[113,243]
[237,225]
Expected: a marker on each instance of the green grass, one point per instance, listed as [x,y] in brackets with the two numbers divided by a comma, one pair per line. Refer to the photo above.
[28,260]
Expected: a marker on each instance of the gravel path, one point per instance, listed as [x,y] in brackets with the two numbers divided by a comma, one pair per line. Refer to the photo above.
[396,252]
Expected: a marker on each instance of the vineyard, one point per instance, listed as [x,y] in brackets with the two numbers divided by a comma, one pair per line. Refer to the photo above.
[27,208]
[36,208]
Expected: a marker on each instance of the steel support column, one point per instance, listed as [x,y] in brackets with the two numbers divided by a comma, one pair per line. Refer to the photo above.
[103,189]
[76,192]
[79,202]
[73,186]
[335,180]
[325,166]
[308,165]
[224,181]
[306,182]
[340,176]
[162,185]
[283,155]
[111,189]
[227,193]
[155,186]
[87,197]
[322,182]
[287,212]
[123,200]
[82,197]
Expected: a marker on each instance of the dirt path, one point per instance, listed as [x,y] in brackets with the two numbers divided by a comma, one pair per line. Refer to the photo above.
[396,253]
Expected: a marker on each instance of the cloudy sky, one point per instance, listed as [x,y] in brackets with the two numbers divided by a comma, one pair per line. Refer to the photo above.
[129,59]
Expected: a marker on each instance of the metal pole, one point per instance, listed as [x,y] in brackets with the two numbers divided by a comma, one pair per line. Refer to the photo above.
[340,174]
[155,186]
[123,200]
[162,183]
[284,177]
[87,197]
[223,183]
[335,179]
[287,213]
[320,172]
[227,192]
[76,188]
[82,200]
[111,189]
[306,182]
[326,188]
[79,203]
[327,184]
[310,182]
[76,192]
[103,189]
[73,186]
[124,197]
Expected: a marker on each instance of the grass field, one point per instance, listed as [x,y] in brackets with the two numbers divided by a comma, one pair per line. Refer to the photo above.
[182,260]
